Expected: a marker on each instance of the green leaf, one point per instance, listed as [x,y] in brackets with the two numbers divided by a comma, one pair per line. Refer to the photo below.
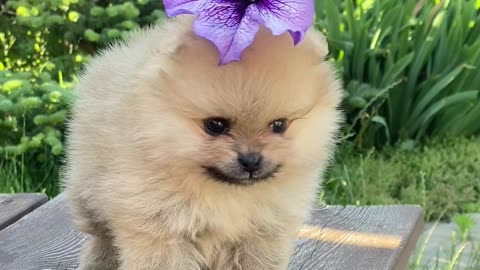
[97,11]
[22,11]
[434,92]
[357,102]
[73,16]
[113,33]
[427,117]
[381,120]
[91,35]
[11,85]
[392,74]
[333,20]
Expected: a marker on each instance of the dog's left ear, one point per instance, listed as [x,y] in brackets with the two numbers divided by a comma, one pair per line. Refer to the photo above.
[319,45]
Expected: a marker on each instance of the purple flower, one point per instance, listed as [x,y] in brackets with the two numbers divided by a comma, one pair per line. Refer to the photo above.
[232,24]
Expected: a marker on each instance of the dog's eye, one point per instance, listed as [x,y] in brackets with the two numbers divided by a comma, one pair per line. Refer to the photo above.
[216,126]
[279,126]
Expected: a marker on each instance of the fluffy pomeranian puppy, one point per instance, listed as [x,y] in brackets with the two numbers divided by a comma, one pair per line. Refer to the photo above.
[178,163]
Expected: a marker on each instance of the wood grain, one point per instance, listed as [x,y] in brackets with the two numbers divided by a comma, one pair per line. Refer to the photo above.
[360,238]
[43,239]
[347,238]
[15,206]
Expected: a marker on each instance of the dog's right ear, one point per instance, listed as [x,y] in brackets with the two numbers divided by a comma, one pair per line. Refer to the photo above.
[174,34]
[187,49]
[184,44]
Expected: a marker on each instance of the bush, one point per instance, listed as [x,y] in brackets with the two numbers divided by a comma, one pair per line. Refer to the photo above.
[410,67]
[443,176]
[44,45]
[57,35]
[32,112]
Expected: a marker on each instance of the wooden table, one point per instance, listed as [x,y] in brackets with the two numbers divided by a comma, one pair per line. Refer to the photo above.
[344,238]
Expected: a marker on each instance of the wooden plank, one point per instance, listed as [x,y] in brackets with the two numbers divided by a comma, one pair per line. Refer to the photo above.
[363,238]
[338,238]
[15,206]
[43,239]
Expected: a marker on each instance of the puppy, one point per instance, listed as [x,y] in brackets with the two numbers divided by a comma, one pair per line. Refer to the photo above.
[175,162]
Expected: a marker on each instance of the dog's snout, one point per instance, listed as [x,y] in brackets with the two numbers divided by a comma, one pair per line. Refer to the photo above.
[250,162]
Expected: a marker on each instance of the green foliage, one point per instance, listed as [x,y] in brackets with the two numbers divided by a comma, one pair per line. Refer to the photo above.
[43,45]
[58,35]
[442,176]
[464,223]
[32,112]
[454,258]
[410,67]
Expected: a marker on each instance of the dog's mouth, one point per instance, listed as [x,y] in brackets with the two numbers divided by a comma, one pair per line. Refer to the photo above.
[242,179]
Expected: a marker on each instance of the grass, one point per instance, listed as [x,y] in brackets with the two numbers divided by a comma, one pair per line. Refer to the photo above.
[454,258]
[442,175]
[15,177]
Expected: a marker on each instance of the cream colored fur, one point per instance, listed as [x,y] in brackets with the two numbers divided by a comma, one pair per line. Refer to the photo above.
[136,150]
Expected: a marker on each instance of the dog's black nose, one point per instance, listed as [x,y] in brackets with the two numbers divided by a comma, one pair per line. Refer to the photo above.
[250,162]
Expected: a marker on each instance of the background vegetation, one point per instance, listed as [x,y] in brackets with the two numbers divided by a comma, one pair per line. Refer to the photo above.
[43,46]
[442,175]
[410,69]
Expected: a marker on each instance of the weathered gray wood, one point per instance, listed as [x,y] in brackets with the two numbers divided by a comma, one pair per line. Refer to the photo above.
[349,238]
[43,239]
[15,206]
[360,238]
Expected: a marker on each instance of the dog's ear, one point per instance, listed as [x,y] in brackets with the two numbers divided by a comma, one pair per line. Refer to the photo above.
[187,49]
[319,45]
[174,35]
[175,42]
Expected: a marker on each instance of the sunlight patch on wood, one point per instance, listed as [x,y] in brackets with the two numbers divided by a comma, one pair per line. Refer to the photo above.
[350,238]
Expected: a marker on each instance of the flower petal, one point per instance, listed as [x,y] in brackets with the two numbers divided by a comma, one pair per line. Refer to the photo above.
[177,7]
[230,25]
[294,16]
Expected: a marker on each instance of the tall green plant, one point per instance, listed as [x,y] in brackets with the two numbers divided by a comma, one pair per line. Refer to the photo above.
[411,67]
